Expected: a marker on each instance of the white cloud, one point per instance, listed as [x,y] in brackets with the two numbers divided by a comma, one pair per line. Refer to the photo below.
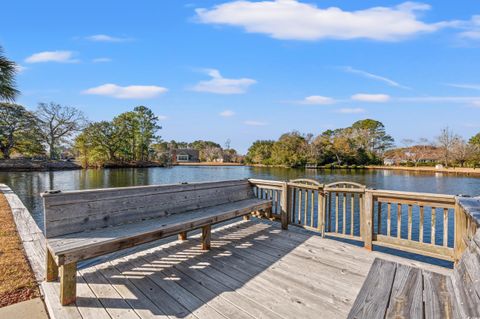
[294,20]
[221,85]
[475,104]
[227,113]
[471,86]
[317,100]
[376,77]
[255,123]
[51,56]
[106,38]
[374,98]
[127,92]
[162,117]
[472,29]
[101,60]
[351,111]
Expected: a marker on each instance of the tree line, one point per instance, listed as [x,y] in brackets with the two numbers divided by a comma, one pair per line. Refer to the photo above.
[365,142]
[362,143]
[129,137]
[42,132]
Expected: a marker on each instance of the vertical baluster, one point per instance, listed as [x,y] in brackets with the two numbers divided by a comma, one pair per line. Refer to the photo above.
[336,211]
[389,218]
[379,217]
[284,208]
[299,221]
[329,211]
[361,203]
[420,231]
[293,192]
[432,237]
[399,220]
[312,208]
[344,222]
[352,212]
[276,197]
[445,227]
[409,222]
[305,207]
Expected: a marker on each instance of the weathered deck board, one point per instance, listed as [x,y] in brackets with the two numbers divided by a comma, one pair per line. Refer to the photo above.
[372,301]
[254,270]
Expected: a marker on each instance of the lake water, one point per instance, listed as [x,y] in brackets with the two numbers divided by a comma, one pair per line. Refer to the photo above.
[28,185]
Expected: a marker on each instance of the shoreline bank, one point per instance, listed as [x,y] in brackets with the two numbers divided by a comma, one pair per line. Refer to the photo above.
[209,164]
[17,278]
[451,170]
[21,165]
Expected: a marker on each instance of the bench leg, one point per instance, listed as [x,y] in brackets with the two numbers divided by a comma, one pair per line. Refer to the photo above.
[182,235]
[246,217]
[206,235]
[68,283]
[268,213]
[52,268]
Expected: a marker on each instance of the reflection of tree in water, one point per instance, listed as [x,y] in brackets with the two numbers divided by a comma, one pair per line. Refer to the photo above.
[28,185]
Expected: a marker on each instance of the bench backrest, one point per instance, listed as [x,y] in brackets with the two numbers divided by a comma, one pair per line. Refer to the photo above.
[76,211]
[466,276]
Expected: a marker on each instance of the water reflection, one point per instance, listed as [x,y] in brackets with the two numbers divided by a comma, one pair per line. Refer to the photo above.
[28,185]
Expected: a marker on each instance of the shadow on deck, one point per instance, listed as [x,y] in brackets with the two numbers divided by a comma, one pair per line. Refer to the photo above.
[254,270]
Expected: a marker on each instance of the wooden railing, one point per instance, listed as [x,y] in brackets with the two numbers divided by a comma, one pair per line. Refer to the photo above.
[467,224]
[432,225]
[419,223]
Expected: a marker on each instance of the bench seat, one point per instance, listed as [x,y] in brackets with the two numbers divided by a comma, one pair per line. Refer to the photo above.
[88,244]
[84,224]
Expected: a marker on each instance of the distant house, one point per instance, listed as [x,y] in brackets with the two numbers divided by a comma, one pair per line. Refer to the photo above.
[419,154]
[185,155]
[389,161]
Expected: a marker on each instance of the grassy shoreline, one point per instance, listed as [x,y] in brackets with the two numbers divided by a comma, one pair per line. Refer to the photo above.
[209,164]
[17,281]
[449,170]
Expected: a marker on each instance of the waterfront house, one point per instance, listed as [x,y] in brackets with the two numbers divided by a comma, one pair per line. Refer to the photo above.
[186,155]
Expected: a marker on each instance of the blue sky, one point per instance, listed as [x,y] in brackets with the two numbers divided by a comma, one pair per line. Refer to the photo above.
[253,70]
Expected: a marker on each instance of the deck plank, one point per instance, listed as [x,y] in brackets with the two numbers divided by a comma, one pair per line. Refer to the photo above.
[254,270]
[436,296]
[372,300]
[406,299]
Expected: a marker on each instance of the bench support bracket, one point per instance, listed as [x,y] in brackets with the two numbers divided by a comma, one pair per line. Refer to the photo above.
[182,235]
[206,235]
[68,283]
[52,268]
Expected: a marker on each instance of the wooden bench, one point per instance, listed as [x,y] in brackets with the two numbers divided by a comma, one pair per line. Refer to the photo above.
[392,290]
[84,224]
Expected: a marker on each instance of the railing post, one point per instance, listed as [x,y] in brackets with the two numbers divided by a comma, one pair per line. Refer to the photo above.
[459,232]
[368,220]
[321,211]
[284,206]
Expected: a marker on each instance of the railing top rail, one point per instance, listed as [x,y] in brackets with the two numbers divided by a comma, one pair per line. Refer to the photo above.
[306,181]
[266,182]
[471,207]
[345,185]
[430,197]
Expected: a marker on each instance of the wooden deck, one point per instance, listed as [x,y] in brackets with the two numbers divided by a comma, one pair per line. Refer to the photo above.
[254,270]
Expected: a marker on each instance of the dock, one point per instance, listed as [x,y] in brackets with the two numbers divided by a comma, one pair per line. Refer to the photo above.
[322,251]
[254,270]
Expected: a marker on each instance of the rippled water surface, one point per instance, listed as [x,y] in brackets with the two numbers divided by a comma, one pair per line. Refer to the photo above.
[28,185]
